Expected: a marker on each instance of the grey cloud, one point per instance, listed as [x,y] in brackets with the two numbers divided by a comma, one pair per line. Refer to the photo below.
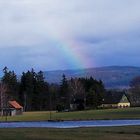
[99,28]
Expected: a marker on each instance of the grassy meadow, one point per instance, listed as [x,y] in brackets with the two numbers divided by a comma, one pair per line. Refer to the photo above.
[95,133]
[126,113]
[101,133]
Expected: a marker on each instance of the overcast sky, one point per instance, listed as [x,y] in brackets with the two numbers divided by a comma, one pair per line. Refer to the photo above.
[69,34]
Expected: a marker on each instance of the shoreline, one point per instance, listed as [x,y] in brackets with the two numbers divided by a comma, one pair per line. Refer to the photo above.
[70,120]
[70,124]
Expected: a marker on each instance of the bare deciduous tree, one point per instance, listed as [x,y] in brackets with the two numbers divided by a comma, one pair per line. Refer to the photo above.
[77,91]
[134,92]
[3,97]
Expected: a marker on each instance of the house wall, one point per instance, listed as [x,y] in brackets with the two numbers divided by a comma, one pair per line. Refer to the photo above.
[19,111]
[122,105]
[13,113]
[119,105]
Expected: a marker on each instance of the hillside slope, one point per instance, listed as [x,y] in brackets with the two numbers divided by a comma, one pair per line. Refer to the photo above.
[113,76]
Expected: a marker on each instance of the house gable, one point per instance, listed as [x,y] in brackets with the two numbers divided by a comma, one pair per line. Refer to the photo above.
[116,100]
[124,99]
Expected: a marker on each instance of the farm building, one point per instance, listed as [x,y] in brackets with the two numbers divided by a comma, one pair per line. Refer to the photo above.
[17,108]
[115,100]
[14,108]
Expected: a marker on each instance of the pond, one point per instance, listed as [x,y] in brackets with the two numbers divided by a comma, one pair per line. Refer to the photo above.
[69,124]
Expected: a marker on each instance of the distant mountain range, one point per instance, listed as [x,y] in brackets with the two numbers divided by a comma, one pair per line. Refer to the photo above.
[112,76]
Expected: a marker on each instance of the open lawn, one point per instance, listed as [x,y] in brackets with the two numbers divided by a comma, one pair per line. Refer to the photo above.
[127,113]
[104,133]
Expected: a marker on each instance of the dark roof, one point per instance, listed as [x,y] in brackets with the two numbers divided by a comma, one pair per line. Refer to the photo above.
[113,97]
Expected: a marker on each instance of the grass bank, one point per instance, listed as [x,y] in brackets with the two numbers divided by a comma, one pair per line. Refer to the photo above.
[104,133]
[127,113]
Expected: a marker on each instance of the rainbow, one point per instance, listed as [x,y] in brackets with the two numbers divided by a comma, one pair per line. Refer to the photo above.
[76,58]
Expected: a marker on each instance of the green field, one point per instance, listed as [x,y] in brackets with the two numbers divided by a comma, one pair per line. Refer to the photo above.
[127,113]
[104,133]
[95,133]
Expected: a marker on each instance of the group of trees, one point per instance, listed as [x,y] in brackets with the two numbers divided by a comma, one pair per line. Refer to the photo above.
[134,91]
[30,90]
[85,92]
[34,93]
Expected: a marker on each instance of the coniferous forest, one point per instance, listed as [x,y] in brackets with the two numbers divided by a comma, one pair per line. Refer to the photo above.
[33,92]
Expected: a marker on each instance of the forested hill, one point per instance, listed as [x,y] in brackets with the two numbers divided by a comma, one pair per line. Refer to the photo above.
[113,76]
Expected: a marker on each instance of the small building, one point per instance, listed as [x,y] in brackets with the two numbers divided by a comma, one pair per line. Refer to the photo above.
[15,108]
[115,100]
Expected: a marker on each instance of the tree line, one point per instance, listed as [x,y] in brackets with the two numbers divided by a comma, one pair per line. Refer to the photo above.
[33,92]
[134,91]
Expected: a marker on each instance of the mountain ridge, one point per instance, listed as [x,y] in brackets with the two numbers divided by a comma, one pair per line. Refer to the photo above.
[112,76]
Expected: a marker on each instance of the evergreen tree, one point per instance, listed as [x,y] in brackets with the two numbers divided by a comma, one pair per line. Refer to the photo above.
[63,101]
[54,96]
[64,86]
[41,91]
[91,99]
[10,80]
[33,90]
[27,89]
[94,91]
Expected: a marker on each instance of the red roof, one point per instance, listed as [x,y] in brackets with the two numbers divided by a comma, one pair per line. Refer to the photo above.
[15,104]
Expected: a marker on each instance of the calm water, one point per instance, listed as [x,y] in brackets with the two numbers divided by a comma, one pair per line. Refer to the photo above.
[70,124]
